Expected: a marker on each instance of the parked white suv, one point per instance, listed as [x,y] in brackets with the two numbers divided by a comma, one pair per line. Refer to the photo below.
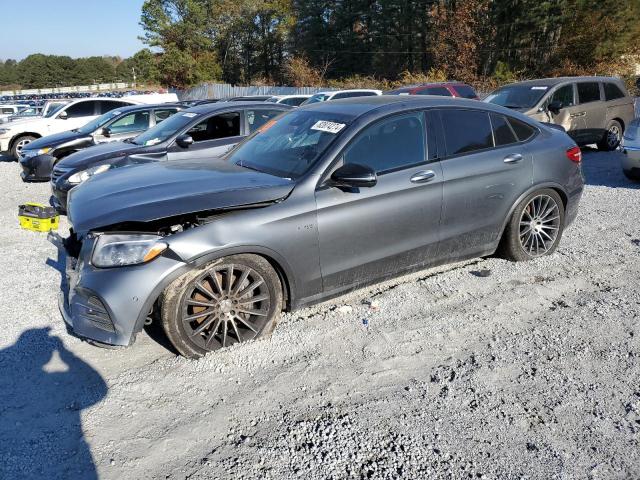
[10,110]
[338,94]
[15,135]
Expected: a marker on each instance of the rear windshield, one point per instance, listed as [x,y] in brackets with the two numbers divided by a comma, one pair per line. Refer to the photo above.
[318,97]
[290,145]
[465,91]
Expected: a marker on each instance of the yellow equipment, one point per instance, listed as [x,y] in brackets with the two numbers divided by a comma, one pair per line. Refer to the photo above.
[37,217]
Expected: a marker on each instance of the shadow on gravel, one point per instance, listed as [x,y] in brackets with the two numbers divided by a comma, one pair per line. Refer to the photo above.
[41,398]
[605,169]
[7,158]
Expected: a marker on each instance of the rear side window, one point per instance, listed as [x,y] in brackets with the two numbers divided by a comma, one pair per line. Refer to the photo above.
[390,144]
[441,91]
[466,131]
[588,92]
[6,110]
[219,126]
[465,91]
[502,132]
[612,92]
[522,130]
[108,105]
[82,109]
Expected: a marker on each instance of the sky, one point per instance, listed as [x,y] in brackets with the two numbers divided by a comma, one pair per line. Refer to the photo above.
[77,28]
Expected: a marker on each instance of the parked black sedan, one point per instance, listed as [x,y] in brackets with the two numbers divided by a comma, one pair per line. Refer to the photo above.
[38,157]
[204,131]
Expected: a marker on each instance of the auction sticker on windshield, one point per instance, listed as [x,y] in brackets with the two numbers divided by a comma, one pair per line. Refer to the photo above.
[329,127]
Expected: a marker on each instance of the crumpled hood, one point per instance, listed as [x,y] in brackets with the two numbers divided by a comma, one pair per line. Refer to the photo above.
[89,156]
[56,140]
[159,190]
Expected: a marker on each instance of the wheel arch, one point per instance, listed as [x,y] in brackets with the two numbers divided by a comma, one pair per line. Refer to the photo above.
[283,270]
[559,189]
[20,135]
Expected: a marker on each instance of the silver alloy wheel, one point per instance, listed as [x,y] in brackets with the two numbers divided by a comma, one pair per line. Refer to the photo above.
[539,225]
[20,144]
[228,304]
[614,136]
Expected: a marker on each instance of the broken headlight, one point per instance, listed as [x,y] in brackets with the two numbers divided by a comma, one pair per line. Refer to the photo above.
[119,250]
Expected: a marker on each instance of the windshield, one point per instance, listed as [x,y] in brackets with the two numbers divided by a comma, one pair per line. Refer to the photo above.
[272,99]
[290,145]
[164,130]
[96,123]
[518,96]
[318,97]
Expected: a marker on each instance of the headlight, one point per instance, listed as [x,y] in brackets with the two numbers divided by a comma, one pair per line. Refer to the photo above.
[34,153]
[118,250]
[85,175]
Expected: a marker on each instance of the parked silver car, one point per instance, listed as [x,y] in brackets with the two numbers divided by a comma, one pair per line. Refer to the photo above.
[591,109]
[322,200]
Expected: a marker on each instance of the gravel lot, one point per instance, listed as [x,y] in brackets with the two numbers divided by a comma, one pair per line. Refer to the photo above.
[530,372]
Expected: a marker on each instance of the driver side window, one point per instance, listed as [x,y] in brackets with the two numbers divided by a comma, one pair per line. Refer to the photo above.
[565,95]
[391,144]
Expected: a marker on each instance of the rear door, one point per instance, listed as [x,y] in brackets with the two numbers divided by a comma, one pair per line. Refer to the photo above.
[593,110]
[369,233]
[486,169]
[212,136]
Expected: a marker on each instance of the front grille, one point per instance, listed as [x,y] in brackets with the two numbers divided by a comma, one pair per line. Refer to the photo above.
[58,172]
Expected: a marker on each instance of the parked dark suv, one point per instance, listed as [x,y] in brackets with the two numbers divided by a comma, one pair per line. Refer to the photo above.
[205,131]
[325,199]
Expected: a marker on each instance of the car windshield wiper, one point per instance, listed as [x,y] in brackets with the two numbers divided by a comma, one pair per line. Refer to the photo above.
[249,167]
[513,106]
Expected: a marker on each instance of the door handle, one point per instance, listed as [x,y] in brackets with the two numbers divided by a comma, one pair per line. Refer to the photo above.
[423,177]
[579,114]
[513,158]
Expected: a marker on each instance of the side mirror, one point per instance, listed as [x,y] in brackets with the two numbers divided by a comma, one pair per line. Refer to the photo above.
[63,115]
[184,141]
[354,175]
[106,132]
[555,107]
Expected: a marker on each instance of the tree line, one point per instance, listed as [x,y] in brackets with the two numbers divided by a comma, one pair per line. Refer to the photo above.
[342,42]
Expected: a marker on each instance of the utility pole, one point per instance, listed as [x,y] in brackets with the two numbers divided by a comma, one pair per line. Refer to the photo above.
[133,70]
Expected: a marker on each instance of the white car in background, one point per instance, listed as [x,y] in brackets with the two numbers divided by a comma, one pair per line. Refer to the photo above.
[292,100]
[338,94]
[18,133]
[7,111]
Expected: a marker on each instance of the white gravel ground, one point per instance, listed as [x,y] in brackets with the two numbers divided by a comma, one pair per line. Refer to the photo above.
[530,372]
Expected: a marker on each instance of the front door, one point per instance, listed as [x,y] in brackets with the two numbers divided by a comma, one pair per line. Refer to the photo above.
[369,233]
[212,137]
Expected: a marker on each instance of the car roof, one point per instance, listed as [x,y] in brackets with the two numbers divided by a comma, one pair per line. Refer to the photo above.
[146,106]
[213,107]
[556,81]
[359,106]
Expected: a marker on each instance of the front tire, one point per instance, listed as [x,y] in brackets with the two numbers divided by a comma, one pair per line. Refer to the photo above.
[612,137]
[634,177]
[535,227]
[231,300]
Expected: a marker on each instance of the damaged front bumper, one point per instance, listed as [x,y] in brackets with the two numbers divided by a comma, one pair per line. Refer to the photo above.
[110,305]
[36,168]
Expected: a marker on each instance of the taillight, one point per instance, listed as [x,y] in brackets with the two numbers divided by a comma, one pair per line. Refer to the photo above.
[574,154]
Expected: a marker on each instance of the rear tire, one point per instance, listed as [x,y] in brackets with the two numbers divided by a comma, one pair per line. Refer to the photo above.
[631,176]
[612,137]
[19,143]
[535,227]
[230,300]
